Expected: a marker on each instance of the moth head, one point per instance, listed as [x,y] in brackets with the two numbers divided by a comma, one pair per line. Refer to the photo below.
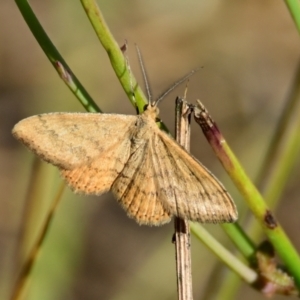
[151,110]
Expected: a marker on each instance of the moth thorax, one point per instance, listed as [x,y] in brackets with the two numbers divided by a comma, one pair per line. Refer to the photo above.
[152,111]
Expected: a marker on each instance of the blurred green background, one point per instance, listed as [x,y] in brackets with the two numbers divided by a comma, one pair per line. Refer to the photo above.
[249,52]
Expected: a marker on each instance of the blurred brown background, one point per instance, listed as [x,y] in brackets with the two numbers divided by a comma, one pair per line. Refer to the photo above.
[249,51]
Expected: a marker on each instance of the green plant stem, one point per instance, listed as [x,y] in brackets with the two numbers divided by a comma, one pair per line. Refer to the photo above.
[246,273]
[282,154]
[294,9]
[272,228]
[33,255]
[240,239]
[115,55]
[54,56]
[279,161]
[253,198]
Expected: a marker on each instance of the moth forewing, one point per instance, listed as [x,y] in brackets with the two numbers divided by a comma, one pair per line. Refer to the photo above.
[71,139]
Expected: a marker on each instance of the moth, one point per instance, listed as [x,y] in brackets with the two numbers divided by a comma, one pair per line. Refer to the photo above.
[148,172]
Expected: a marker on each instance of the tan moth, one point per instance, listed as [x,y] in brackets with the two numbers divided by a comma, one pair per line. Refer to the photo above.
[151,176]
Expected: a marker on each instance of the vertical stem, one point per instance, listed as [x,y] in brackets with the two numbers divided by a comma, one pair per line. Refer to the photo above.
[115,54]
[23,278]
[182,227]
[54,56]
[274,231]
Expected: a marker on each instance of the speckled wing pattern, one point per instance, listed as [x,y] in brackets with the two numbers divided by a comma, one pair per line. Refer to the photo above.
[187,188]
[152,177]
[67,140]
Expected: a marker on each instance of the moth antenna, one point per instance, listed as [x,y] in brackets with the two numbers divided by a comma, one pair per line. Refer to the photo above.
[185,77]
[142,66]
